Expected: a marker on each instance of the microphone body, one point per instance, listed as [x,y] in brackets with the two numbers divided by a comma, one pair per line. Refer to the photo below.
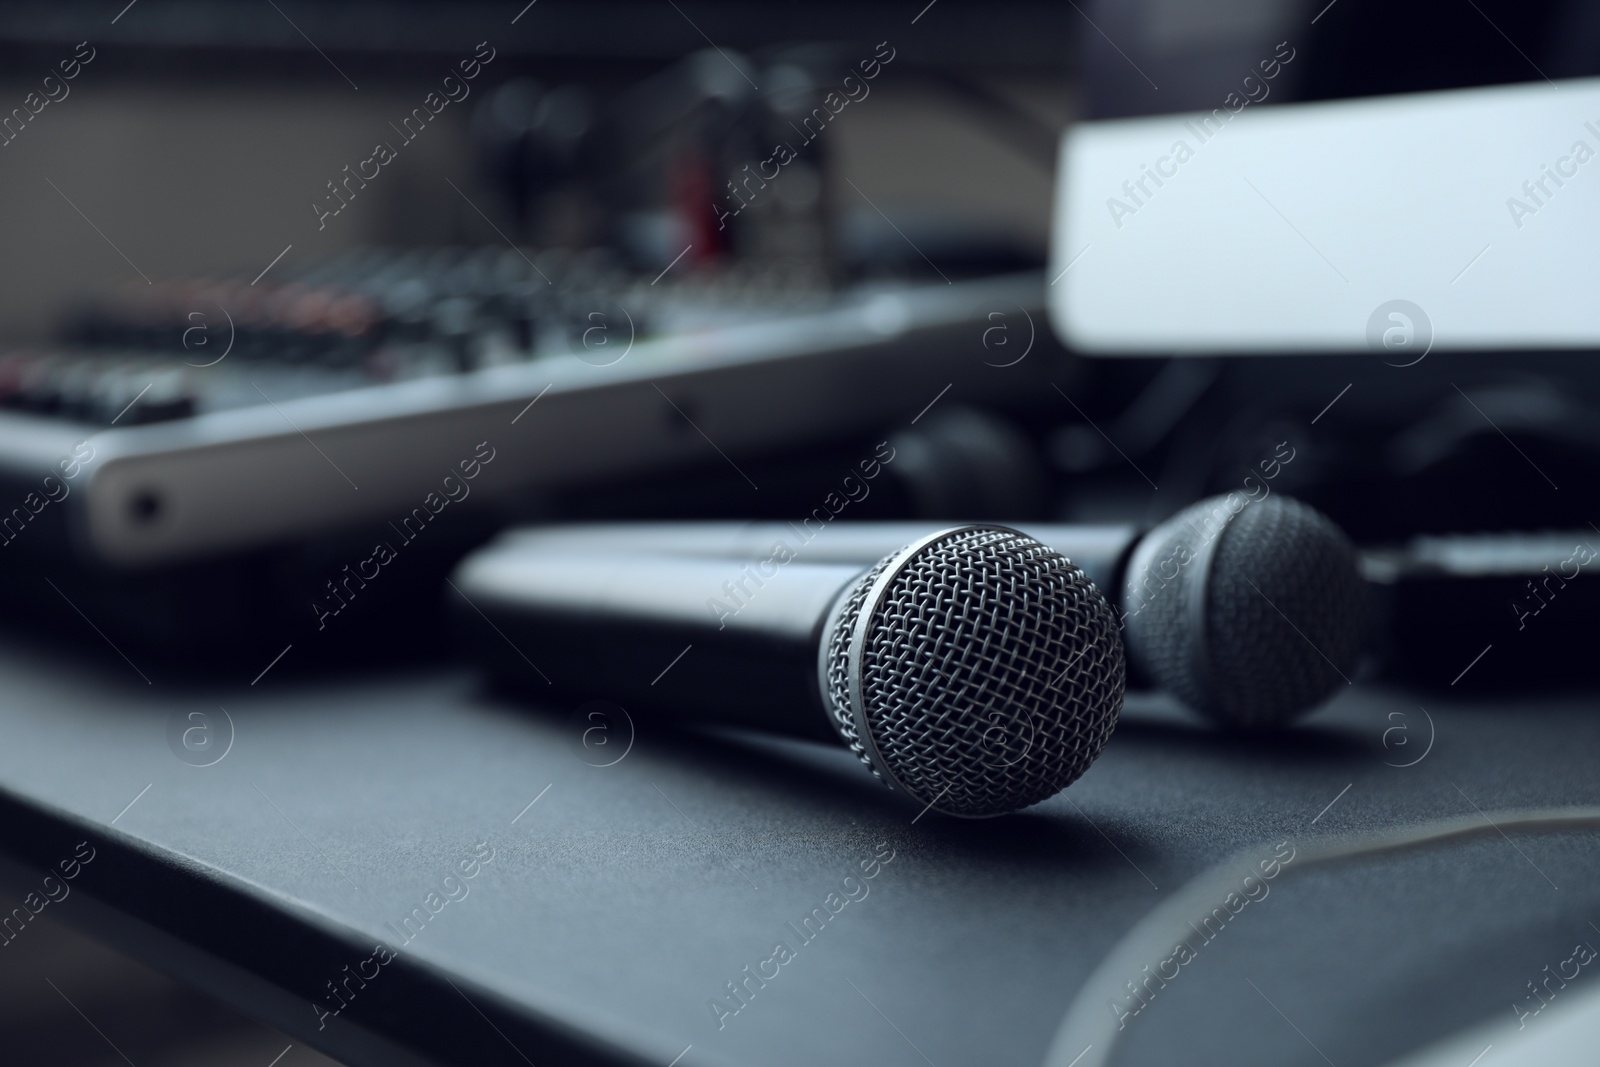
[611,623]
[1100,551]
[974,669]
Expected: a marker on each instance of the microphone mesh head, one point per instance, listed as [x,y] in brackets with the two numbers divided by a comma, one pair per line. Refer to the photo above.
[978,670]
[1251,618]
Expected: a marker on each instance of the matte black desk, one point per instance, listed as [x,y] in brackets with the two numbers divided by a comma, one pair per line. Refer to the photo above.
[620,900]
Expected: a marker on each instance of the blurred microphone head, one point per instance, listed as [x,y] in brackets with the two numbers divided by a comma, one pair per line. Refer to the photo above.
[1250,616]
[975,669]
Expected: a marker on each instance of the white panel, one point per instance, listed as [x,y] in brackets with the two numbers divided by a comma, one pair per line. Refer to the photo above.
[1288,228]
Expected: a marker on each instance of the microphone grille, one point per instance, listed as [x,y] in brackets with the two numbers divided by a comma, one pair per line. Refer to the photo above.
[1251,617]
[978,670]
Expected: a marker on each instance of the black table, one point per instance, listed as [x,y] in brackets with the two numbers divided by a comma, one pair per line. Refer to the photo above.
[621,901]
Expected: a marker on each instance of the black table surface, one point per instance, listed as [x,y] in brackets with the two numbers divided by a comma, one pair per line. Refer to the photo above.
[621,901]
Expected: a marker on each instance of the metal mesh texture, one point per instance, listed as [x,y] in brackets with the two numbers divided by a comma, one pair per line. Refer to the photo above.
[1285,611]
[838,662]
[992,672]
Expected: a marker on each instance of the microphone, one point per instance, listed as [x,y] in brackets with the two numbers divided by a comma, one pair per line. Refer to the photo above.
[1253,616]
[1250,612]
[973,669]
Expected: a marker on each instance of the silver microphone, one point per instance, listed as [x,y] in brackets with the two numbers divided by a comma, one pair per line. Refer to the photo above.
[975,669]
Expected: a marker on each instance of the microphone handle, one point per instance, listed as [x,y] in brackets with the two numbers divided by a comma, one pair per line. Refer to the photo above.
[1102,551]
[683,637]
